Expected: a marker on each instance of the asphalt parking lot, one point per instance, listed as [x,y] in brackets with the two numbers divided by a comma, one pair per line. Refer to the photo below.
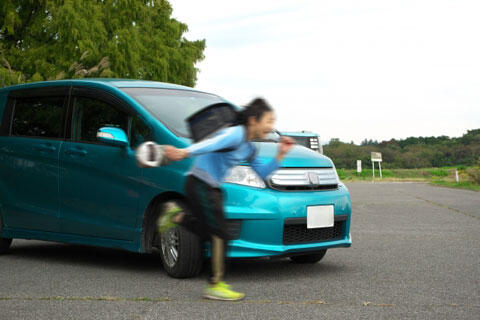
[415,255]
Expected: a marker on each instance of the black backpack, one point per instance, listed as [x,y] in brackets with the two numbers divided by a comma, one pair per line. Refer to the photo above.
[204,123]
[207,121]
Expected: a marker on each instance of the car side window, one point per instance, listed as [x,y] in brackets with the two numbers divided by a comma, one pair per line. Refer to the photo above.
[140,132]
[38,117]
[91,114]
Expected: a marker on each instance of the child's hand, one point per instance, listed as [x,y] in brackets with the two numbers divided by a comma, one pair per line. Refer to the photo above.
[284,146]
[175,154]
[286,143]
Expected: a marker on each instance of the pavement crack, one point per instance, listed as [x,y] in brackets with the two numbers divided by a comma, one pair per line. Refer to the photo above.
[155,301]
[437,204]
[102,298]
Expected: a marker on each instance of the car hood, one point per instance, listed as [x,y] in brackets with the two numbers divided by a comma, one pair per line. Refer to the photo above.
[298,157]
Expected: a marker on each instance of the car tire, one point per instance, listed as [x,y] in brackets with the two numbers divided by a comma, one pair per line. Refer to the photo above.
[181,252]
[309,258]
[4,242]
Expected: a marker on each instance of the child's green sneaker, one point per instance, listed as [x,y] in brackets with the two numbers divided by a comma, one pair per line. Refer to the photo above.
[222,291]
[165,222]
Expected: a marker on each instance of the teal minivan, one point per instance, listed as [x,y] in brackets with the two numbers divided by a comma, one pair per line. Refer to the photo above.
[65,177]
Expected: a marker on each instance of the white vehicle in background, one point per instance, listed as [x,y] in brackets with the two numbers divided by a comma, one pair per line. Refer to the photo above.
[307,139]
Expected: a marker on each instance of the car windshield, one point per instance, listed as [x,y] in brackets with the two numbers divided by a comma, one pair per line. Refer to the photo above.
[172,107]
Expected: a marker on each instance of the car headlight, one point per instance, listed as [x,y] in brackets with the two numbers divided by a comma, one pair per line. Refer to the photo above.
[245,176]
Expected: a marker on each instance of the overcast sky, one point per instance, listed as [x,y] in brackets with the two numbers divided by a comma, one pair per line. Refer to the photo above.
[376,69]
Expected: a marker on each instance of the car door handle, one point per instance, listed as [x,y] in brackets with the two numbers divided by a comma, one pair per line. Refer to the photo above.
[46,147]
[77,152]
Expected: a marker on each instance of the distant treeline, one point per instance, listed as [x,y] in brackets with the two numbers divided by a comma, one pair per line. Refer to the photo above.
[422,152]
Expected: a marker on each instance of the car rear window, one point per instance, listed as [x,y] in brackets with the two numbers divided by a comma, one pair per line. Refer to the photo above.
[38,117]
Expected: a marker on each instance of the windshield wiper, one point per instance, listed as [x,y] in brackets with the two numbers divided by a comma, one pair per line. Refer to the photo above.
[265,140]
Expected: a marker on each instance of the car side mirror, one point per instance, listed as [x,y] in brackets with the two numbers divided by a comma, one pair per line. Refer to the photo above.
[112,136]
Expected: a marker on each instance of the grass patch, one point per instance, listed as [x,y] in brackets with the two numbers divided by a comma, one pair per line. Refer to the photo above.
[436,176]
[439,172]
[395,174]
[461,185]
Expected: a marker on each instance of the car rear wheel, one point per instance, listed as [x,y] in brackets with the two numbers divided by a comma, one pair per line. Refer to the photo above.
[4,242]
[309,258]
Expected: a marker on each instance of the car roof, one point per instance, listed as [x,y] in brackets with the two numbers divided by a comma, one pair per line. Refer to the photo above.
[299,134]
[112,82]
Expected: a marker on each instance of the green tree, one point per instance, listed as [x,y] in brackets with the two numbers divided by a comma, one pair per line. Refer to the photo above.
[55,39]
[411,152]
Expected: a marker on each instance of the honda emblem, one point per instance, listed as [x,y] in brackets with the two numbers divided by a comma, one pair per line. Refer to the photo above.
[313,177]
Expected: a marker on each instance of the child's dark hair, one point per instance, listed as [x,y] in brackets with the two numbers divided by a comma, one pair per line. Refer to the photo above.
[256,108]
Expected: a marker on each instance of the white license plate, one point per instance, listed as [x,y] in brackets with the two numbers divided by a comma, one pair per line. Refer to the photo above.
[320,216]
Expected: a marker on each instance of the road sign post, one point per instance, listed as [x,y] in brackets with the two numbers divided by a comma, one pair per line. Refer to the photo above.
[376,157]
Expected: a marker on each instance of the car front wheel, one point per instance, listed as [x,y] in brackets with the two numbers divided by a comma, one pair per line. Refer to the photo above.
[181,252]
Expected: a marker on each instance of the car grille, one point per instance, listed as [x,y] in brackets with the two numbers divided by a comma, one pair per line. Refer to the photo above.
[295,231]
[306,188]
[307,179]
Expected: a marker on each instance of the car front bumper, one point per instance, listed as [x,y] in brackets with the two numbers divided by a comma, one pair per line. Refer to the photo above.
[266,217]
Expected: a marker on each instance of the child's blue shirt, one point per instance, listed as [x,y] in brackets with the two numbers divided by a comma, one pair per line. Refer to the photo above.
[213,166]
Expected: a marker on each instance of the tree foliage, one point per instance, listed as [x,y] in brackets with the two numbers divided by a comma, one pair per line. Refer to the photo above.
[56,39]
[412,152]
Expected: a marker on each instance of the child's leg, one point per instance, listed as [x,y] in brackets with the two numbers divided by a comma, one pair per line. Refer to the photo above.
[172,214]
[218,259]
[178,218]
[174,208]
[218,289]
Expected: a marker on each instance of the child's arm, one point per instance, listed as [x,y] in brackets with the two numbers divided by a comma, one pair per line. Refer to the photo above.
[228,138]
[264,169]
